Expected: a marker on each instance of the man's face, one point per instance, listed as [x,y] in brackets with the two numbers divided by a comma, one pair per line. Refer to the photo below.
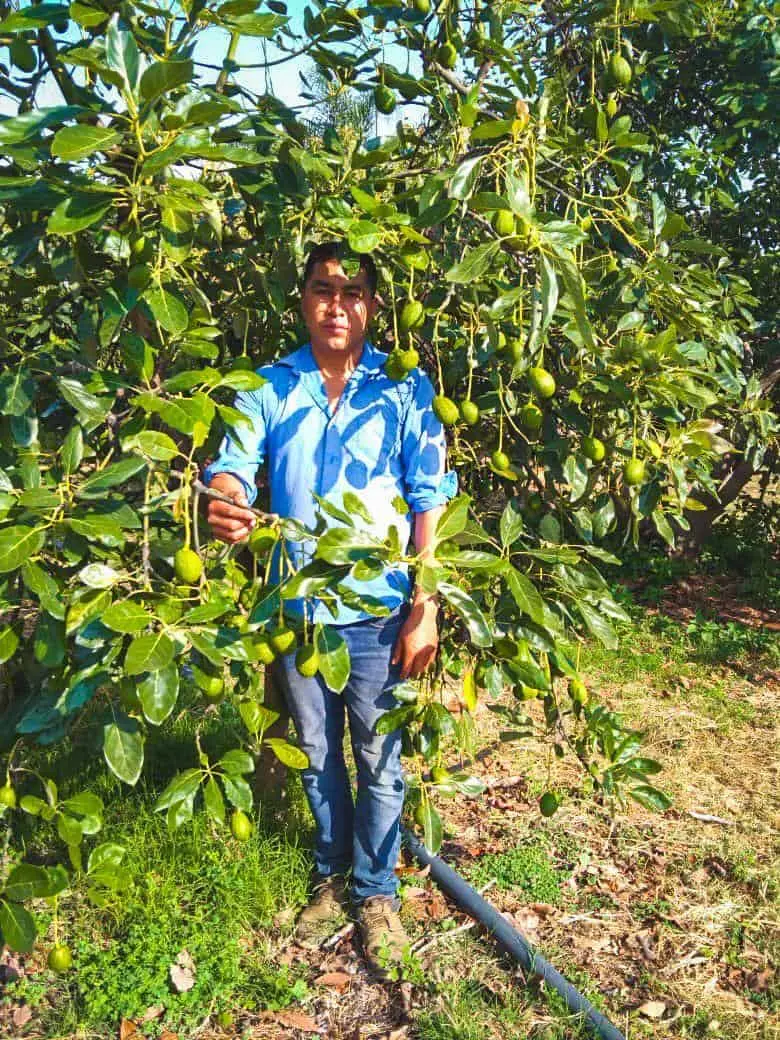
[337,309]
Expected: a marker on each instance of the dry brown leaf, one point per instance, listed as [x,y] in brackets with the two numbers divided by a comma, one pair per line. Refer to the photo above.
[21,1016]
[168,1035]
[182,972]
[127,1028]
[334,980]
[152,1012]
[527,923]
[295,1020]
[415,893]
[652,1009]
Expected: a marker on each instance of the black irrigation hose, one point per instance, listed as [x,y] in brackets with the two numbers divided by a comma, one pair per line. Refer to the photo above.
[510,939]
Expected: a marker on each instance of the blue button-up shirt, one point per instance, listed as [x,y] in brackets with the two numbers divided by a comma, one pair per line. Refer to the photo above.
[381,441]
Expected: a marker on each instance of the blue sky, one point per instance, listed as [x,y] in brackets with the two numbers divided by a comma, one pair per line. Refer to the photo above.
[284,79]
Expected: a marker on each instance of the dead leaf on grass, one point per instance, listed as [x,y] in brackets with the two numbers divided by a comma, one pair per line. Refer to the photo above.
[127,1028]
[21,1016]
[168,1035]
[652,1009]
[152,1012]
[182,972]
[334,980]
[293,1020]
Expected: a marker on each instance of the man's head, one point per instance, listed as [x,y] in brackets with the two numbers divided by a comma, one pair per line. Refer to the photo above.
[339,297]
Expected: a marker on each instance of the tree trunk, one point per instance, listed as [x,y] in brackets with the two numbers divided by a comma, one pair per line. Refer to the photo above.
[737,472]
[270,782]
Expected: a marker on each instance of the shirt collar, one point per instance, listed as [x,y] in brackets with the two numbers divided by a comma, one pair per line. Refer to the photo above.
[302,359]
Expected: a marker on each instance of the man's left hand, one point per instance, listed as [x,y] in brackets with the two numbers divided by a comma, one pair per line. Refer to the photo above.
[418,640]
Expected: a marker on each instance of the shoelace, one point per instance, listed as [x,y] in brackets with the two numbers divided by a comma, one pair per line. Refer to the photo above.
[378,914]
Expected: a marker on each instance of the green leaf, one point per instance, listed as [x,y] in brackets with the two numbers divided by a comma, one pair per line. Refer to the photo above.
[17,927]
[213,801]
[464,605]
[242,380]
[123,748]
[575,287]
[663,527]
[465,177]
[106,856]
[256,717]
[525,594]
[363,236]
[77,142]
[432,829]
[77,212]
[177,225]
[168,309]
[153,445]
[163,76]
[86,15]
[122,54]
[28,125]
[149,653]
[126,616]
[474,264]
[183,786]
[492,129]
[237,762]
[341,545]
[49,642]
[238,792]
[17,391]
[72,450]
[354,505]
[511,525]
[288,754]
[394,719]
[158,692]
[468,691]
[112,476]
[91,409]
[27,881]
[333,655]
[9,641]
[650,797]
[549,292]
[597,625]
[35,17]
[17,545]
[454,518]
[99,576]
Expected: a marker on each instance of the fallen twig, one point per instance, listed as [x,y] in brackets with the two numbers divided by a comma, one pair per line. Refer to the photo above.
[442,935]
[707,818]
[342,933]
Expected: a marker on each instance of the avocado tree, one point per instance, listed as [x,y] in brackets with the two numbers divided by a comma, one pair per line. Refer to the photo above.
[587,349]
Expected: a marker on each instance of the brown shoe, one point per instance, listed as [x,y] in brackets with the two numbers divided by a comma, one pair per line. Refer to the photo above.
[383,935]
[325,913]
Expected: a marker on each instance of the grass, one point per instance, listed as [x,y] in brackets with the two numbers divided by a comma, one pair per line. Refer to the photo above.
[703,896]
[527,868]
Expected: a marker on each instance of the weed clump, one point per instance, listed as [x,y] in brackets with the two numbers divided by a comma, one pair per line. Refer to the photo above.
[525,867]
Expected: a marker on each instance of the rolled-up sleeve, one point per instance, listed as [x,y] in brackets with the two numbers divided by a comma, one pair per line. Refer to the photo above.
[243,454]
[424,451]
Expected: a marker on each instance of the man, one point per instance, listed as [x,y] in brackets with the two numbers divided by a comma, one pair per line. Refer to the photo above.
[330,420]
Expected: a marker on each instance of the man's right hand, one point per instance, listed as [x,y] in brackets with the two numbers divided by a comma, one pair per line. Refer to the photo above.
[229,523]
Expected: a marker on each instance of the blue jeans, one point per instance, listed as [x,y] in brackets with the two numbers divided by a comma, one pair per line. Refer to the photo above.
[365,835]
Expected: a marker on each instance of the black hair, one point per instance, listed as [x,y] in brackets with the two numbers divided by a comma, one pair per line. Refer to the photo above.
[340,251]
